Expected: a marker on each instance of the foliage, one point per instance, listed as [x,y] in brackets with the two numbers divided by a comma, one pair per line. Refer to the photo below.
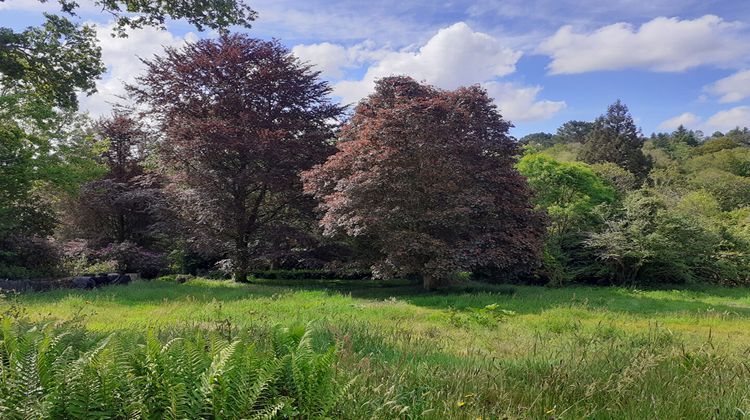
[735,161]
[615,138]
[574,132]
[23,257]
[51,63]
[426,178]
[564,152]
[622,180]
[647,240]
[211,14]
[538,140]
[569,193]
[55,61]
[61,371]
[267,114]
[732,191]
[675,352]
[568,133]
[132,258]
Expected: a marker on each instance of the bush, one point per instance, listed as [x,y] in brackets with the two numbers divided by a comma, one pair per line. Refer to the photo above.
[28,257]
[310,275]
[133,258]
[651,241]
[63,371]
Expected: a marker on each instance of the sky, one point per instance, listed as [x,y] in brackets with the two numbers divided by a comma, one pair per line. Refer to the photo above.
[543,61]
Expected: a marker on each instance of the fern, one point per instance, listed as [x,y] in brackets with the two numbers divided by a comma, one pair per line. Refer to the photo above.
[52,370]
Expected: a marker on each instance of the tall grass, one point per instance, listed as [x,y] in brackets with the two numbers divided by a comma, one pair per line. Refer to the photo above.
[497,352]
[600,373]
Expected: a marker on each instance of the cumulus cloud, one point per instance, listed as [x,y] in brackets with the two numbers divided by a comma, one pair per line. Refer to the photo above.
[519,103]
[329,58]
[121,56]
[662,44]
[455,56]
[333,59]
[733,88]
[686,119]
[729,119]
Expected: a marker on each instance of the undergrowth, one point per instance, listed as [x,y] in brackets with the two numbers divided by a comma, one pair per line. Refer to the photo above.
[59,370]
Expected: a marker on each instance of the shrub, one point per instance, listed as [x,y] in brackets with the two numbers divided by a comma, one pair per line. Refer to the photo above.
[24,256]
[650,241]
[133,258]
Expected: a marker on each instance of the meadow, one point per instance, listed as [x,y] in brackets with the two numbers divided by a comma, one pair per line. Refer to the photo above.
[471,351]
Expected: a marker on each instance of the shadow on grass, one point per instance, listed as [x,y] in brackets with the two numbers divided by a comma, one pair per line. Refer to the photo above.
[521,299]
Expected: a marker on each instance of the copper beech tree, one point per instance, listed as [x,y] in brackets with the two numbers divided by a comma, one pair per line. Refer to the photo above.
[425,177]
[240,119]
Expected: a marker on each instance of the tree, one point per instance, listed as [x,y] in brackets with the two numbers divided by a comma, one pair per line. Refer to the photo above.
[425,177]
[50,63]
[126,204]
[240,119]
[685,136]
[618,178]
[569,193]
[538,139]
[125,145]
[647,241]
[19,169]
[615,138]
[59,58]
[574,132]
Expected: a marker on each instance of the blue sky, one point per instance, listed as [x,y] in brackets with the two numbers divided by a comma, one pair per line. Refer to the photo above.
[544,61]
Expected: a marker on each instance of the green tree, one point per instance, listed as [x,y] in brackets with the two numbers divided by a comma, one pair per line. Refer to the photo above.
[569,193]
[618,178]
[647,241]
[615,138]
[732,191]
[538,140]
[59,58]
[574,132]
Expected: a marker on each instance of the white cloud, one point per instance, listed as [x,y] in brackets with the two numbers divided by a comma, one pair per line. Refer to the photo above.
[121,56]
[333,59]
[457,56]
[662,44]
[329,58]
[733,88]
[518,103]
[686,119]
[731,118]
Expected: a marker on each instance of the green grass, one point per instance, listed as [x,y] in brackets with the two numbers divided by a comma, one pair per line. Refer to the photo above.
[474,351]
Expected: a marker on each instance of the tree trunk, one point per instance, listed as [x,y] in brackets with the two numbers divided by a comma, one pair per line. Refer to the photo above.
[241,261]
[429,282]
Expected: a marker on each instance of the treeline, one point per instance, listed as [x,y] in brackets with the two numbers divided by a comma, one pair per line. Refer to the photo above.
[674,207]
[234,158]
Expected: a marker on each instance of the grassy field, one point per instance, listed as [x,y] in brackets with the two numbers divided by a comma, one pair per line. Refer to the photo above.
[473,351]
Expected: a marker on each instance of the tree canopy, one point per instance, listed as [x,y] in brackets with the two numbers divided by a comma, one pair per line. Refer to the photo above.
[615,138]
[240,119]
[425,177]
